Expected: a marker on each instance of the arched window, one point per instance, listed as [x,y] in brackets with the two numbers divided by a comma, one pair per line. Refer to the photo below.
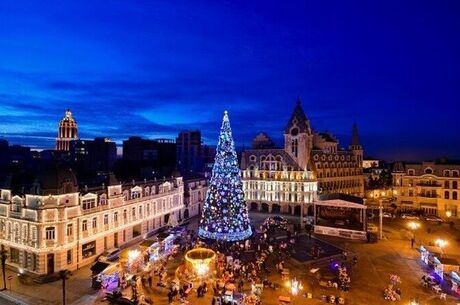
[454,185]
[428,171]
[454,195]
[446,194]
[446,184]
[446,173]
[411,172]
[454,173]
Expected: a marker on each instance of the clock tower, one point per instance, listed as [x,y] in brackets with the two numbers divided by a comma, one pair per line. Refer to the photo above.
[298,137]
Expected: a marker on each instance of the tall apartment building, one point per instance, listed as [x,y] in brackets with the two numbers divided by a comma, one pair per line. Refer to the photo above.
[67,132]
[149,156]
[93,155]
[56,226]
[432,187]
[190,157]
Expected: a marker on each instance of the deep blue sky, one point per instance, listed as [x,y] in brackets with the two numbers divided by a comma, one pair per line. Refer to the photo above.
[152,68]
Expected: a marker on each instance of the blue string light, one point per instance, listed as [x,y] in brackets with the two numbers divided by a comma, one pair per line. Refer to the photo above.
[225,215]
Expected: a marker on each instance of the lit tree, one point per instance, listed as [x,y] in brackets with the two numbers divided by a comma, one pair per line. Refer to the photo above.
[225,215]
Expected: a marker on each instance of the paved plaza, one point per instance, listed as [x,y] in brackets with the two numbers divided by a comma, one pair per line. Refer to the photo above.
[369,277]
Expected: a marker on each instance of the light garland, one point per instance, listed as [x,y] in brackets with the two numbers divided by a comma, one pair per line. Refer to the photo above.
[225,215]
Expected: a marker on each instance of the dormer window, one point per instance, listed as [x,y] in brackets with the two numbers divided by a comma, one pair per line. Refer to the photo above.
[428,171]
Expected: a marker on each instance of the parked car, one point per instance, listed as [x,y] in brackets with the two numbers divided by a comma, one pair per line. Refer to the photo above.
[110,255]
[387,215]
[434,219]
[409,216]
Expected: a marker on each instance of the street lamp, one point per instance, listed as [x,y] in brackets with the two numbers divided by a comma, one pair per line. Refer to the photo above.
[441,243]
[413,226]
[448,214]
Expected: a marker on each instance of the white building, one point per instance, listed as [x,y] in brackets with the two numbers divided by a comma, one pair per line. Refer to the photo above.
[57,227]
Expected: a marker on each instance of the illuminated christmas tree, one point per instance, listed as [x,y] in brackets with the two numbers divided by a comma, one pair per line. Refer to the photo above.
[225,215]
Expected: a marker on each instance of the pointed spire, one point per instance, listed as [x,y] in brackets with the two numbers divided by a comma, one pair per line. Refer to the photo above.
[298,118]
[355,135]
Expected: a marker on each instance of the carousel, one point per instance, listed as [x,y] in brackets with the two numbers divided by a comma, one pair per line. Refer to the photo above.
[201,262]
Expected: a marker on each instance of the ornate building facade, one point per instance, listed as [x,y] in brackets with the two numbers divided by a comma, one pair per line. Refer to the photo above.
[338,170]
[67,132]
[284,179]
[432,187]
[195,189]
[56,226]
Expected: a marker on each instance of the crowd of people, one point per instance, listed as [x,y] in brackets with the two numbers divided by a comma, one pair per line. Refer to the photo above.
[241,272]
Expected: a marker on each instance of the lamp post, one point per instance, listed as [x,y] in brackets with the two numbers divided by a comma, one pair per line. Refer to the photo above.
[63,274]
[413,226]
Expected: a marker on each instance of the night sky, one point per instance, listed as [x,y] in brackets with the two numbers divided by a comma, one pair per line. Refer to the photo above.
[153,68]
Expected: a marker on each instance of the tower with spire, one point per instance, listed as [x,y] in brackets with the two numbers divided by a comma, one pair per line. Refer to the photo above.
[67,132]
[298,136]
[355,145]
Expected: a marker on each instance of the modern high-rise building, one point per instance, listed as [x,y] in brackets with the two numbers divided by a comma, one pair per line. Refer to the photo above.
[93,155]
[145,156]
[189,151]
[67,132]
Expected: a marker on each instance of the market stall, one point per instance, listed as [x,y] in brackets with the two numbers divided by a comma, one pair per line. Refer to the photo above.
[108,278]
[455,280]
[428,255]
[445,265]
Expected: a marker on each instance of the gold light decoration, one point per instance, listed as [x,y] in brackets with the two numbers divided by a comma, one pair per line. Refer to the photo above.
[201,260]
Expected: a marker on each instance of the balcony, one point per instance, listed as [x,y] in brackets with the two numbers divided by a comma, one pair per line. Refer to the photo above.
[428,196]
[428,184]
[95,209]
